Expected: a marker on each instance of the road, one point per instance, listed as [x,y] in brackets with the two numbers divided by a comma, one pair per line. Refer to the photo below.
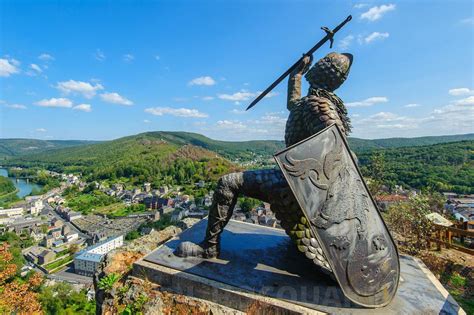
[67,274]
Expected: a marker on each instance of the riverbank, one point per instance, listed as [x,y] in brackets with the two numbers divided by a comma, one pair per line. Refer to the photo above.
[23,187]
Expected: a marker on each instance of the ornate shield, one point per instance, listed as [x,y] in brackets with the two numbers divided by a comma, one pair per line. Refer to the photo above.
[331,192]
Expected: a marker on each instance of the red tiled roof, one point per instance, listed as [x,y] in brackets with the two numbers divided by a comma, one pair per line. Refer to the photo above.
[391,198]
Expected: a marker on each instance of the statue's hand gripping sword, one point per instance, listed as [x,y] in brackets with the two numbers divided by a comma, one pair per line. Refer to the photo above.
[329,36]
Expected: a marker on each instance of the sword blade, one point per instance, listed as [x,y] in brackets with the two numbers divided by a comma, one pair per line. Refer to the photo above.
[287,72]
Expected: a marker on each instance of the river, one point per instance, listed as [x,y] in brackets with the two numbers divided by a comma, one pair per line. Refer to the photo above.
[24,187]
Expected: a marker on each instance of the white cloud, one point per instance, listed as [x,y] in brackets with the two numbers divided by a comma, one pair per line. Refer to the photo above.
[180,112]
[270,94]
[208,98]
[346,42]
[360,5]
[78,87]
[8,67]
[206,80]
[465,101]
[146,121]
[128,57]
[45,57]
[243,95]
[461,91]
[36,68]
[375,13]
[368,101]
[233,125]
[55,102]
[115,98]
[238,111]
[99,55]
[15,106]
[375,36]
[41,130]
[412,105]
[454,118]
[384,120]
[83,107]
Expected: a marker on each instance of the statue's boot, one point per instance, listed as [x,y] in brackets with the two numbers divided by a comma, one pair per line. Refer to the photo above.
[269,186]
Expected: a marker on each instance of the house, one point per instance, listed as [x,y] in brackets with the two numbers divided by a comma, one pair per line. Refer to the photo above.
[147,187]
[36,206]
[385,201]
[56,232]
[155,202]
[37,236]
[58,243]
[117,187]
[65,229]
[46,256]
[72,215]
[24,225]
[56,223]
[48,241]
[70,237]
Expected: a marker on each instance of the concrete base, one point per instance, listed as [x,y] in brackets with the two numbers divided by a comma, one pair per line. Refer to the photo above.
[259,265]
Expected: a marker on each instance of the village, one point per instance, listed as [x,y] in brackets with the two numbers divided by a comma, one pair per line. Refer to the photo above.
[68,245]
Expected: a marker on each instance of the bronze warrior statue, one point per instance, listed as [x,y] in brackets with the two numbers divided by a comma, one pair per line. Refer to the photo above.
[308,115]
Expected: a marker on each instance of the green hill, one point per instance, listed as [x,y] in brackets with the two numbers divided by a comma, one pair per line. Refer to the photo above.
[18,147]
[441,167]
[144,157]
[359,145]
[178,157]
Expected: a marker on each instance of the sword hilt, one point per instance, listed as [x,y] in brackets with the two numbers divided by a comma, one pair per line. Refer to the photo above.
[329,34]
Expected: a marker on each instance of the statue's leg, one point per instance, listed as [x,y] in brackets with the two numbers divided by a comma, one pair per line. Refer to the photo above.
[266,185]
[257,184]
[229,187]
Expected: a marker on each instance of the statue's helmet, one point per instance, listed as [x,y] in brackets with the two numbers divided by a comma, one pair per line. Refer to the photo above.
[330,71]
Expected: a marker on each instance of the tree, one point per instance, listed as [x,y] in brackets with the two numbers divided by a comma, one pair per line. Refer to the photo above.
[74,248]
[408,219]
[248,204]
[107,282]
[376,171]
[17,296]
[61,298]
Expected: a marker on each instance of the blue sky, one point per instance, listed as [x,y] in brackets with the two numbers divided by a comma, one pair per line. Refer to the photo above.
[105,69]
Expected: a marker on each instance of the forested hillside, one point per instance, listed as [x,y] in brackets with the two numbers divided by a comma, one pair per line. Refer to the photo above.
[359,145]
[441,167]
[243,150]
[6,186]
[180,157]
[136,159]
[18,147]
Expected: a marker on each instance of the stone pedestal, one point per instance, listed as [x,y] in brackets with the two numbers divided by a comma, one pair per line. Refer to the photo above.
[259,266]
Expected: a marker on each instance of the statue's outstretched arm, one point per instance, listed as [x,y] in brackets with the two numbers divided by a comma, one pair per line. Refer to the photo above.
[294,82]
